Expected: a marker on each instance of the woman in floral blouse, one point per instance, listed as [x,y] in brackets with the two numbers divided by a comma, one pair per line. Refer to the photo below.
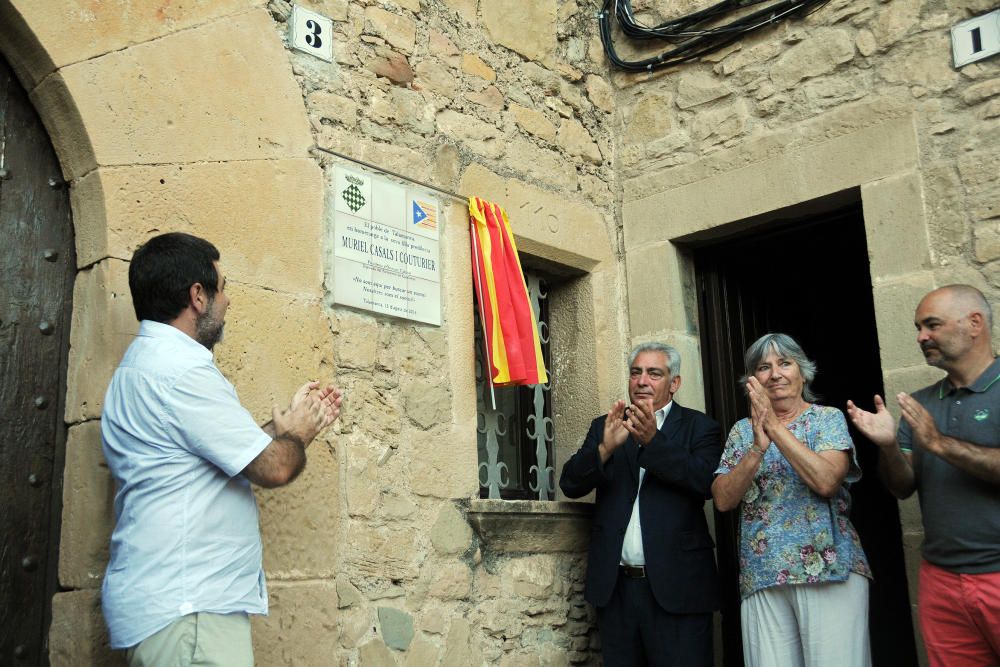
[803,574]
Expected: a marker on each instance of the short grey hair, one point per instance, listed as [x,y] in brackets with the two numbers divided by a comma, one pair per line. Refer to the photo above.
[786,347]
[673,356]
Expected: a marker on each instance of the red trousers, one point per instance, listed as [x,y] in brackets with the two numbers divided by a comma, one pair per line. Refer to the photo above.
[960,617]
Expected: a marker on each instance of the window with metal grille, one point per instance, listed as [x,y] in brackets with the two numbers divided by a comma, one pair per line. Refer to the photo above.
[514,424]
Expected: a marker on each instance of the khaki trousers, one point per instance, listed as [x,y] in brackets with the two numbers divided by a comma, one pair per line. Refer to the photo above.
[210,640]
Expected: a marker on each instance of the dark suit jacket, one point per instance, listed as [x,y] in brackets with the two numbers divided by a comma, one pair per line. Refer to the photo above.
[680,461]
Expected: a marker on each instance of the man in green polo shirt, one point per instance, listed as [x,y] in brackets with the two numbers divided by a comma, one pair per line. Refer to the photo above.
[947,448]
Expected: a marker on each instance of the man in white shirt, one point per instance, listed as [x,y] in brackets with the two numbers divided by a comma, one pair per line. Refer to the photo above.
[651,570]
[186,568]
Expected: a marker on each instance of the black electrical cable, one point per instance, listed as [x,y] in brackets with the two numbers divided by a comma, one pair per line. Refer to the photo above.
[696,34]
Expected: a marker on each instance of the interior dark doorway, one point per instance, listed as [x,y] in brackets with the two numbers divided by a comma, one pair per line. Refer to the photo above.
[37,269]
[807,275]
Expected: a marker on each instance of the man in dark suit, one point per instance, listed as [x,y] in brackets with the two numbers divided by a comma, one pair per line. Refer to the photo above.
[651,567]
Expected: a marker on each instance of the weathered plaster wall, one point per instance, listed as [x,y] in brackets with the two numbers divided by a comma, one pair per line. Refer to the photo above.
[199,118]
[856,95]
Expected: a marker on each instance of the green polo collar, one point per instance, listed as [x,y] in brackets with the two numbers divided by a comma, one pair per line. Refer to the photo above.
[985,380]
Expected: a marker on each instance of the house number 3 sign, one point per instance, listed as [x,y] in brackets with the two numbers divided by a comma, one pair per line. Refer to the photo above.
[312,33]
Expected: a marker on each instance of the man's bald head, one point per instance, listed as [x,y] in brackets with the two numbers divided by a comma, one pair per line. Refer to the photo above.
[965,299]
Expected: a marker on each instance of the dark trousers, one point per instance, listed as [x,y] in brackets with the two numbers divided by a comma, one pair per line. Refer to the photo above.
[636,631]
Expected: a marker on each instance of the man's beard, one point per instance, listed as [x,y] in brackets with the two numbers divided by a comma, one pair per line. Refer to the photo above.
[208,329]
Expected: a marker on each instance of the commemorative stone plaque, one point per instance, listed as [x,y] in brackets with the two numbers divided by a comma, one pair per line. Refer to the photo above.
[386,253]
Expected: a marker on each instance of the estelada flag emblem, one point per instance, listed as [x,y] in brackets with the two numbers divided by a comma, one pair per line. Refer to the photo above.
[425,215]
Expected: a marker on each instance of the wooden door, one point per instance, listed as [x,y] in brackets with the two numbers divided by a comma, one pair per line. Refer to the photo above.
[37,266]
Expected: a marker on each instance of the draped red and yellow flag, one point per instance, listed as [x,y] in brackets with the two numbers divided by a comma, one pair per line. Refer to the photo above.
[513,349]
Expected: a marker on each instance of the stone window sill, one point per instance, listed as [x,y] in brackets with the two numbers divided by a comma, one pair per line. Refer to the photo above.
[531,526]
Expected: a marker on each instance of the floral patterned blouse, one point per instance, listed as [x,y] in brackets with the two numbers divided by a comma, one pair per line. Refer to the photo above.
[790,534]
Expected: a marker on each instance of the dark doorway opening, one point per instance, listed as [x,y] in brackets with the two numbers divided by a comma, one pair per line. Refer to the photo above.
[804,271]
[37,269]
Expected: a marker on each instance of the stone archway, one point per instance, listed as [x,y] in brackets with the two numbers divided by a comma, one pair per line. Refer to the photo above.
[161,118]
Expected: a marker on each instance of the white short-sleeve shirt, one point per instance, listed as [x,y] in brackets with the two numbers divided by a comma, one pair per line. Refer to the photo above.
[186,535]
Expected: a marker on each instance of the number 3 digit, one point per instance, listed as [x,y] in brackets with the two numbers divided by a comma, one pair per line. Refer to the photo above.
[312,39]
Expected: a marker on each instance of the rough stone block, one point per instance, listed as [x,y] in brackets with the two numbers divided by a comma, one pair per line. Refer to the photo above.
[921,65]
[324,104]
[490,97]
[396,627]
[480,137]
[532,577]
[541,164]
[356,627]
[103,326]
[577,141]
[820,54]
[750,57]
[376,654]
[700,87]
[422,652]
[78,635]
[650,118]
[347,595]
[474,65]
[601,93]
[894,224]
[715,126]
[981,91]
[534,122]
[88,509]
[363,490]
[141,113]
[451,534]
[384,552]
[436,77]
[467,9]
[987,241]
[301,627]
[452,582]
[528,28]
[399,31]
[460,650]
[276,206]
[441,465]
[895,304]
[427,403]
[895,21]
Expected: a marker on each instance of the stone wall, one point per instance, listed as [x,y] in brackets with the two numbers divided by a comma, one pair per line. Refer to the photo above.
[201,119]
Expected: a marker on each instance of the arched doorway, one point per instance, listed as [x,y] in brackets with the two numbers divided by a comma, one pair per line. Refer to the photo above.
[37,269]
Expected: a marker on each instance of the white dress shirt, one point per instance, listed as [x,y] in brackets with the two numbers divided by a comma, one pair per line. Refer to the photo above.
[632,553]
[186,537]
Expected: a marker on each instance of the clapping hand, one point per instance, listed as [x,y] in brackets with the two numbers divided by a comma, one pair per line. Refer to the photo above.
[925,431]
[878,426]
[641,422]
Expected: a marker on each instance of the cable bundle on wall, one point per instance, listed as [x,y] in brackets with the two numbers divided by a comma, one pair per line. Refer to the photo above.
[696,34]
